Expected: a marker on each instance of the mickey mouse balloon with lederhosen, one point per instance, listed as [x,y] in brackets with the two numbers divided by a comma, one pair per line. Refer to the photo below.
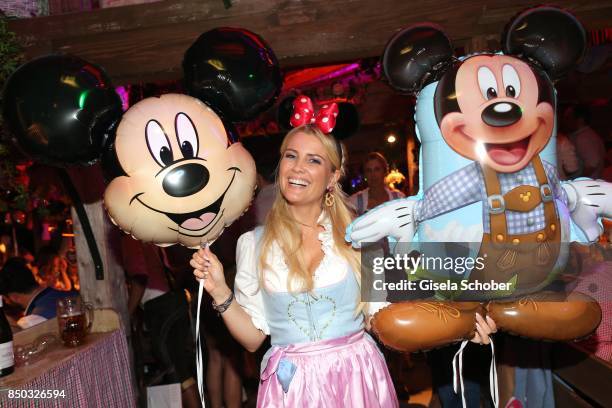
[487,126]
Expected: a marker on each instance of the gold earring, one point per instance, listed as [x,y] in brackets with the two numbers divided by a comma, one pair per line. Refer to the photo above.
[330,200]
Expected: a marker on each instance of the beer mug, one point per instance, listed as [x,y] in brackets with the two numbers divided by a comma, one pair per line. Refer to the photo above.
[75,318]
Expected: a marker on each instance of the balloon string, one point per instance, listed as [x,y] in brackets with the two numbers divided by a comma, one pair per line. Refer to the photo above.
[199,359]
[459,356]
[493,381]
[199,362]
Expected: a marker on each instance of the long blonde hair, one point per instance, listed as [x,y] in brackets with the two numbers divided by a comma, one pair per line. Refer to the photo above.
[282,228]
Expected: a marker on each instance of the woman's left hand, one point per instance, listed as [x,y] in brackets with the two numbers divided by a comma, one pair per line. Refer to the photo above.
[483,329]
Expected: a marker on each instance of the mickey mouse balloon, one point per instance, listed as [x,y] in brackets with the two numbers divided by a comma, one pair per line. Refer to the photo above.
[488,180]
[59,109]
[184,178]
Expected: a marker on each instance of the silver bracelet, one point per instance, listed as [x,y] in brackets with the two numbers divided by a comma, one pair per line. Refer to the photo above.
[223,306]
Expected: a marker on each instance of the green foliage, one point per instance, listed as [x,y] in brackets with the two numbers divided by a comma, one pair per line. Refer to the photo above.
[10,59]
[10,54]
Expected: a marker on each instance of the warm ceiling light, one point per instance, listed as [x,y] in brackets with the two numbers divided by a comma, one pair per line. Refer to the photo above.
[391,138]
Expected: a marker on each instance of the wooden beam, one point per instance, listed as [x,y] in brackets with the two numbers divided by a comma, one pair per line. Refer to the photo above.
[144,42]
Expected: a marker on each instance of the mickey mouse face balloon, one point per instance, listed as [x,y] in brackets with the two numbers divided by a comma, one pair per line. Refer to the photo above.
[500,113]
[184,180]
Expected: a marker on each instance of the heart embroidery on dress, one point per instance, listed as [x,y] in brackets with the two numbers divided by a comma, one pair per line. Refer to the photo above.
[309,331]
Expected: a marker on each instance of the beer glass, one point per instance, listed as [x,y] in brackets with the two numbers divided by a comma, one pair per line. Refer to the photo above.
[75,318]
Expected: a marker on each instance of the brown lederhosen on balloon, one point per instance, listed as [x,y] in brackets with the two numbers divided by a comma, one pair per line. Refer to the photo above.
[529,256]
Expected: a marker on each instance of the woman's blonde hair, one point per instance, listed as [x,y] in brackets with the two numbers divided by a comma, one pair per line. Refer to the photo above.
[282,228]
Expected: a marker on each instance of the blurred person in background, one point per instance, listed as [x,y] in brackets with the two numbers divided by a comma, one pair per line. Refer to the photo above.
[51,269]
[607,172]
[266,192]
[568,164]
[19,288]
[590,147]
[375,170]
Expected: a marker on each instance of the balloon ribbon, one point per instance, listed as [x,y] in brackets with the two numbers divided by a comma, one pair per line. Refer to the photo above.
[199,357]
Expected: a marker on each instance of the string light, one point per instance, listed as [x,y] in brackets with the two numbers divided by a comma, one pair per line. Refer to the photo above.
[394,178]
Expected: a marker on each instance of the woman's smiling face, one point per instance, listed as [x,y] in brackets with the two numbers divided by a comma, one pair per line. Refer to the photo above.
[305,171]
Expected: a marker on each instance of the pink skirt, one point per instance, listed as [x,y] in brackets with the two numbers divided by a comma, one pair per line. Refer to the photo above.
[344,372]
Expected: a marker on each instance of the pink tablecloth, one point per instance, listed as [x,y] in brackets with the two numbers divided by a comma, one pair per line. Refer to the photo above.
[596,282]
[96,374]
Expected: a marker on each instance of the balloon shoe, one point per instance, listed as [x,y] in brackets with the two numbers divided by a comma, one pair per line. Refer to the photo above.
[548,316]
[417,326]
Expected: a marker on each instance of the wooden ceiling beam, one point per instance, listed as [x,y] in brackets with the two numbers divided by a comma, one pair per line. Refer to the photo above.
[146,42]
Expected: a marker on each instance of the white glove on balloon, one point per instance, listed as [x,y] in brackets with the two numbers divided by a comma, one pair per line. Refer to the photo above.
[392,219]
[589,200]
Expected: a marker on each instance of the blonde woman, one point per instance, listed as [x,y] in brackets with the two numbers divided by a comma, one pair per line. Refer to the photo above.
[375,169]
[298,282]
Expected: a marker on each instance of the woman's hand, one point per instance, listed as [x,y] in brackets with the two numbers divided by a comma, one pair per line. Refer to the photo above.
[208,268]
[483,329]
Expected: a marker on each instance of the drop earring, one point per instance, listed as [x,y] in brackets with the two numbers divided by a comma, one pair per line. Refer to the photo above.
[330,200]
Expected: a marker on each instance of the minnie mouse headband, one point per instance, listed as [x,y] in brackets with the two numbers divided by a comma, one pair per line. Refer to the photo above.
[304,114]
[324,118]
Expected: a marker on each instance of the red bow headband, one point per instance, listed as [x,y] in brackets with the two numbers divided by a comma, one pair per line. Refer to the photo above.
[304,114]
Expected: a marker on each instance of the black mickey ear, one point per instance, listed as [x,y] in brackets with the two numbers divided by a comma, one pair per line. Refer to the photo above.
[347,122]
[233,70]
[551,37]
[416,56]
[232,133]
[58,108]
[111,167]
